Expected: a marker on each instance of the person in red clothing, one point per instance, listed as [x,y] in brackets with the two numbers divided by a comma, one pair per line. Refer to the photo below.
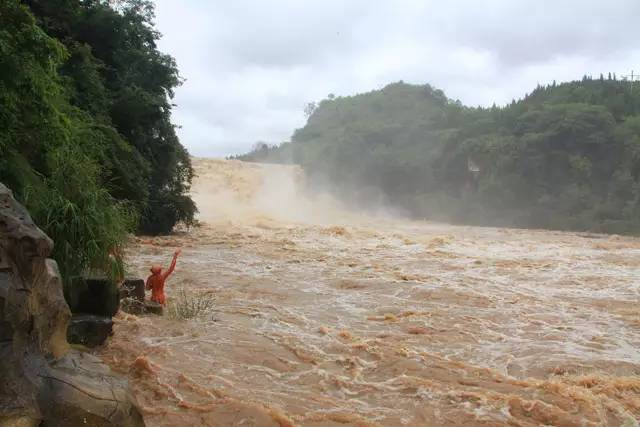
[156,280]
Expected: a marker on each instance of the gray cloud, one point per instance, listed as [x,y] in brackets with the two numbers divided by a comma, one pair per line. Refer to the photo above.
[251,66]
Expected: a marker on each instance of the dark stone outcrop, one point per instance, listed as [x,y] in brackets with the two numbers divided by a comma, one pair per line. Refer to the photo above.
[89,330]
[93,302]
[93,295]
[42,381]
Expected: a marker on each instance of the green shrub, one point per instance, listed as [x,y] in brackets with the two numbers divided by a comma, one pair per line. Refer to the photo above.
[187,306]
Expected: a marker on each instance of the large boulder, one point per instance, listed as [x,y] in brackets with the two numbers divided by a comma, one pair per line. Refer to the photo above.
[80,390]
[43,382]
[93,302]
[93,295]
[89,330]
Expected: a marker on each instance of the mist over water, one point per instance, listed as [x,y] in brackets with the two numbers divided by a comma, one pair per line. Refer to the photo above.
[263,192]
[244,193]
[329,317]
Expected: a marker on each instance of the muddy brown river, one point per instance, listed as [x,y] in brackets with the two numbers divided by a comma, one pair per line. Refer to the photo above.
[317,316]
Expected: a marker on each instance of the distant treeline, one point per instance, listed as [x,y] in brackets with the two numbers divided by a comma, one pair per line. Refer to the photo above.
[566,156]
[86,141]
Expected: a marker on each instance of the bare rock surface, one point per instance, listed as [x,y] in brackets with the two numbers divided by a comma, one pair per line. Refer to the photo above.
[42,381]
[89,330]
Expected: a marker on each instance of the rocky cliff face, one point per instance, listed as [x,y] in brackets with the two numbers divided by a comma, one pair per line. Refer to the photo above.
[42,381]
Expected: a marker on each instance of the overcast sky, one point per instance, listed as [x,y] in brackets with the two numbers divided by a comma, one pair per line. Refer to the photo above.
[251,66]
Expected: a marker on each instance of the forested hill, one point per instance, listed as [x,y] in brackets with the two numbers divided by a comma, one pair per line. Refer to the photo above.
[565,156]
[86,139]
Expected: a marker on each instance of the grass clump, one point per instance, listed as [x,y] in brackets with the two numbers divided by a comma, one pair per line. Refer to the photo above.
[187,306]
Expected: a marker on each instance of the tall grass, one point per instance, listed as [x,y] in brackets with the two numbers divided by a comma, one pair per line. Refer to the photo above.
[89,228]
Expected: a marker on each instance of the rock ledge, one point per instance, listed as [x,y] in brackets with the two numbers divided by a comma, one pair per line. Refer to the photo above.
[42,381]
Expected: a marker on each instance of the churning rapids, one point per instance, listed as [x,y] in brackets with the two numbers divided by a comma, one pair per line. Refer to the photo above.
[323,317]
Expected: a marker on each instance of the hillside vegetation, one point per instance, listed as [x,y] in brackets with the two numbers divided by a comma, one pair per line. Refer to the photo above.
[565,156]
[86,141]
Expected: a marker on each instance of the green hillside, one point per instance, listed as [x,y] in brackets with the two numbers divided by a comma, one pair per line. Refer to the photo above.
[566,156]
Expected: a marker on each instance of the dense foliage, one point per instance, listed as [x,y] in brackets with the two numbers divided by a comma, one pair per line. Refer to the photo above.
[86,140]
[566,156]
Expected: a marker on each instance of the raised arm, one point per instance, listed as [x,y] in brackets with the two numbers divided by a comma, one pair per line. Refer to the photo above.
[173,265]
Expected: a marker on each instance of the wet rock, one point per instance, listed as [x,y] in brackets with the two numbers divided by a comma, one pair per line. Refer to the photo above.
[18,403]
[136,306]
[93,295]
[43,382]
[89,330]
[6,331]
[132,288]
[19,422]
[83,388]
[132,306]
[153,307]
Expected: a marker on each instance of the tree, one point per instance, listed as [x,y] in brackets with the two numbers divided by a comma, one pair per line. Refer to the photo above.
[47,152]
[116,74]
[309,109]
